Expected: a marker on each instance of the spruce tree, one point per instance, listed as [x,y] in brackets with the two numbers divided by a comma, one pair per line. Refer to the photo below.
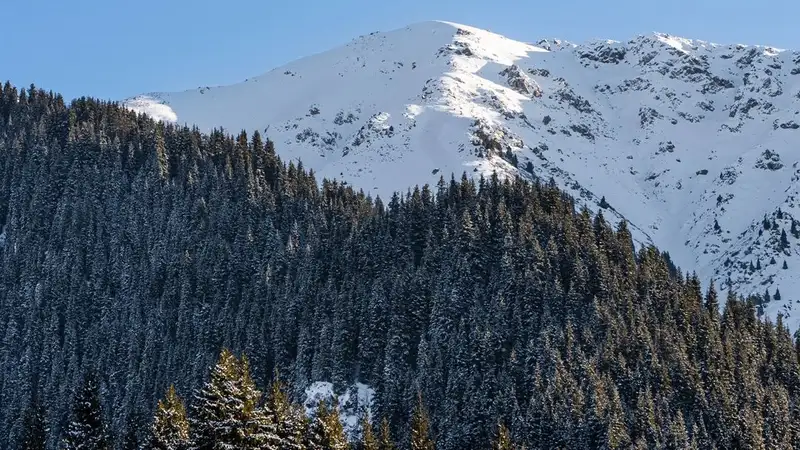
[326,431]
[368,439]
[135,432]
[34,435]
[87,429]
[386,442]
[170,430]
[226,412]
[502,440]
[420,428]
[288,418]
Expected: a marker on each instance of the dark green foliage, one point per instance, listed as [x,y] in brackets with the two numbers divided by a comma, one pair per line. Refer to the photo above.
[170,430]
[325,431]
[420,428]
[503,439]
[368,439]
[34,435]
[87,429]
[226,412]
[142,249]
[385,441]
[288,418]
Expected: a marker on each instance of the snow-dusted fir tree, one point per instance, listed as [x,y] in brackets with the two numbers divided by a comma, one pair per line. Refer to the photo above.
[34,434]
[386,442]
[420,428]
[288,418]
[503,439]
[86,430]
[226,413]
[368,439]
[326,431]
[170,426]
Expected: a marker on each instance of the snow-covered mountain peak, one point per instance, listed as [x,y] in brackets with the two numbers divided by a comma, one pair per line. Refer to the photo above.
[692,142]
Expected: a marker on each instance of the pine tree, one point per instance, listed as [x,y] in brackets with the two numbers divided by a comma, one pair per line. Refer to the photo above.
[326,431]
[288,418]
[34,436]
[784,240]
[420,428]
[503,439]
[386,442]
[170,430]
[368,439]
[777,295]
[87,430]
[134,433]
[785,266]
[226,412]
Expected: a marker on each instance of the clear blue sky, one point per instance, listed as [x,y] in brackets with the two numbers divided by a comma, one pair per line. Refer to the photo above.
[114,49]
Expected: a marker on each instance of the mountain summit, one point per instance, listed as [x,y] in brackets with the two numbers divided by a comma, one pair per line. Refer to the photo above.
[693,143]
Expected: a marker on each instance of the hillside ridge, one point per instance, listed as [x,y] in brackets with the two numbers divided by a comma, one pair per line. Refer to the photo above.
[687,140]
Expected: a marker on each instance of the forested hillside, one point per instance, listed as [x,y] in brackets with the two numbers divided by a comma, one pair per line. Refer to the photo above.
[136,251]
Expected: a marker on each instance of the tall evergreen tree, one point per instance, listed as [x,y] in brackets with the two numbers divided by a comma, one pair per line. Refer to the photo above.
[368,439]
[326,431]
[288,418]
[226,411]
[34,436]
[420,428]
[386,441]
[87,429]
[503,439]
[170,430]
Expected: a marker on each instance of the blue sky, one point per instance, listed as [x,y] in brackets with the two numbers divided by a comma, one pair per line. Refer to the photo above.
[114,49]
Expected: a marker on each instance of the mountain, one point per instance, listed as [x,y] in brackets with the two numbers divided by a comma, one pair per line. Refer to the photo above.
[691,142]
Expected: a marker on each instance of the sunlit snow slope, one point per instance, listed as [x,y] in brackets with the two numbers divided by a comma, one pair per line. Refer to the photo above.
[695,144]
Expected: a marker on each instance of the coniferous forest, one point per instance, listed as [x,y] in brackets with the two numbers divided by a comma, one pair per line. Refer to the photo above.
[485,313]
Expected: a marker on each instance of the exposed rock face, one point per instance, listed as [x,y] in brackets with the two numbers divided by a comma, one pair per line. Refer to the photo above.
[520,82]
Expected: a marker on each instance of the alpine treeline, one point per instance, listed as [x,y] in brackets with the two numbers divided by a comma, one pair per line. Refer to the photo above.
[229,414]
[131,252]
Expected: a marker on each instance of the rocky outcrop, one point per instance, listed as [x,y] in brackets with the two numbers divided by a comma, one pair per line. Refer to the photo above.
[520,82]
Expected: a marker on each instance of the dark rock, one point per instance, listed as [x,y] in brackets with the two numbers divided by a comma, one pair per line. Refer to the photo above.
[520,82]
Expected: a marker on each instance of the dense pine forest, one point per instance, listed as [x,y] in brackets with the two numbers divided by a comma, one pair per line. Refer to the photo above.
[133,252]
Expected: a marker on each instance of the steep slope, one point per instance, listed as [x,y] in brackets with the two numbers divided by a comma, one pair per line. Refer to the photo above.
[689,141]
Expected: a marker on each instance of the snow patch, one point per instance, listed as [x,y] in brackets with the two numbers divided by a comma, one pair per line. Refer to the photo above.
[153,108]
[353,403]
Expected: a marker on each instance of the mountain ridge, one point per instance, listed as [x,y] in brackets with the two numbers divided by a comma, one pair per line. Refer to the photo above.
[687,140]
